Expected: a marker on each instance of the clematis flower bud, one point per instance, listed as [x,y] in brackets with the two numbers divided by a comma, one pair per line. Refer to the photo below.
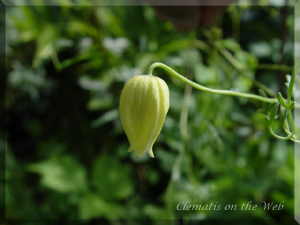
[144,104]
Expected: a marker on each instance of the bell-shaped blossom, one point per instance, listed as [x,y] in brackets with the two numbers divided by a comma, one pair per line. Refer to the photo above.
[144,104]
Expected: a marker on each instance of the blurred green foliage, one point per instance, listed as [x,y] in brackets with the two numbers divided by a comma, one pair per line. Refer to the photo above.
[66,150]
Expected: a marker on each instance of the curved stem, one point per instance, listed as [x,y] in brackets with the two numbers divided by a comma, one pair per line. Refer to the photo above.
[236,64]
[210,90]
[205,48]
[285,128]
[279,137]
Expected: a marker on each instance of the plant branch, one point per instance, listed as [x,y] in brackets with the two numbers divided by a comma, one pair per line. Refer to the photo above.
[210,90]
[236,64]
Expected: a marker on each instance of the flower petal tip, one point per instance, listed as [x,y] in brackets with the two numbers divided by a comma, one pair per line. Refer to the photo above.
[151,153]
[130,149]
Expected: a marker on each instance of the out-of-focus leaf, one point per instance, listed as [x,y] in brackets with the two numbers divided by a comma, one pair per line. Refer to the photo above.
[62,174]
[173,46]
[231,44]
[116,46]
[190,57]
[45,43]
[28,81]
[105,118]
[98,103]
[62,43]
[279,153]
[262,93]
[93,206]
[273,112]
[291,105]
[110,20]
[88,56]
[156,213]
[268,121]
[283,117]
[111,179]
[243,84]
[246,59]
[261,49]
[145,60]
[89,84]
[165,158]
[281,100]
[79,27]
[205,75]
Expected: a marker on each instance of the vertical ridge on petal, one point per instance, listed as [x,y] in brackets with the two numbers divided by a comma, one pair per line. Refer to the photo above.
[147,107]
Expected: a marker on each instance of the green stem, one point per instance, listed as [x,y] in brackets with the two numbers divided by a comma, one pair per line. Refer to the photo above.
[232,60]
[236,22]
[275,67]
[210,90]
[175,176]
[185,112]
[291,122]
[236,64]
[285,127]
[292,82]
[201,45]
[279,137]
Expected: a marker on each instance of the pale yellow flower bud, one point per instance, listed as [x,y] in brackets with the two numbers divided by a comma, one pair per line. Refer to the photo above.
[144,104]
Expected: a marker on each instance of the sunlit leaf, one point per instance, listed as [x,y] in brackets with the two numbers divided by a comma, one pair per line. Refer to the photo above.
[62,174]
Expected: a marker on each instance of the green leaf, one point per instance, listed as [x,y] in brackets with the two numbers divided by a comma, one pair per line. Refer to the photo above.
[262,93]
[265,108]
[98,103]
[145,60]
[265,105]
[204,74]
[62,174]
[111,179]
[291,105]
[243,84]
[93,206]
[231,44]
[173,46]
[45,42]
[292,81]
[261,49]
[283,117]
[262,111]
[246,59]
[273,112]
[268,121]
[105,118]
[156,212]
[281,100]
[190,57]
